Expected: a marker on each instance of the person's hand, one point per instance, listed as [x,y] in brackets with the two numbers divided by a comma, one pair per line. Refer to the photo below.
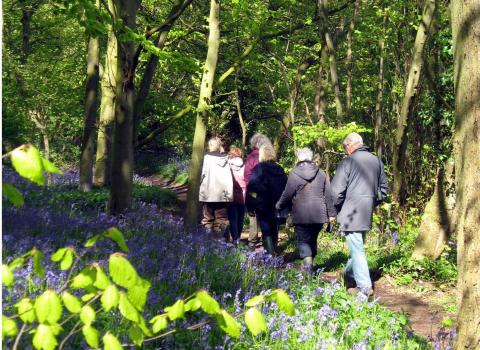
[332,219]
[251,214]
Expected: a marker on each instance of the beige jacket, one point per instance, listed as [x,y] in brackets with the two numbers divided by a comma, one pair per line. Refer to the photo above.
[216,184]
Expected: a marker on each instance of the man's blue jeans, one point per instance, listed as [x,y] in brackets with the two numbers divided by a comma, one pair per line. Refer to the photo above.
[357,266]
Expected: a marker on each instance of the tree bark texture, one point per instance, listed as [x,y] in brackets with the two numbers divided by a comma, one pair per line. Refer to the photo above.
[351,28]
[379,100]
[122,160]
[146,82]
[438,220]
[320,101]
[103,162]
[90,120]
[465,16]
[198,148]
[411,91]
[330,50]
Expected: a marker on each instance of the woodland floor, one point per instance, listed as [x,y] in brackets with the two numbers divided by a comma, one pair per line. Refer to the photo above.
[421,301]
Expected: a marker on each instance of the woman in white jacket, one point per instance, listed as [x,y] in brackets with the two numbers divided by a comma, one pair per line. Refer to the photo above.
[216,188]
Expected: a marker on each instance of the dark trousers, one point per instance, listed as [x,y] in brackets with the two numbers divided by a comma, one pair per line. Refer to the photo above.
[269,226]
[215,215]
[307,235]
[236,212]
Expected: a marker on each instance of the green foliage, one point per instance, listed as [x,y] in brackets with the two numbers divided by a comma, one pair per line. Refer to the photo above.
[28,162]
[12,194]
[255,321]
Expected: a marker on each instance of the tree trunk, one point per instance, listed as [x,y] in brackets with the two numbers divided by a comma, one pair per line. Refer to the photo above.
[351,28]
[379,101]
[438,220]
[241,120]
[411,90]
[198,148]
[320,93]
[122,160]
[465,17]
[144,88]
[330,50]
[90,121]
[103,163]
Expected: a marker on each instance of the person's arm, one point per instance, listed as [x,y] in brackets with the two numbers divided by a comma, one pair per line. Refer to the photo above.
[287,193]
[331,212]
[383,181]
[339,184]
[251,193]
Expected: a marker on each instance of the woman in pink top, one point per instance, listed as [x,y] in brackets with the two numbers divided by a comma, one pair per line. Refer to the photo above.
[236,209]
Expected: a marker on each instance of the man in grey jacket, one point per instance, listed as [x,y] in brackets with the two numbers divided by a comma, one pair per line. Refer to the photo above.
[358,186]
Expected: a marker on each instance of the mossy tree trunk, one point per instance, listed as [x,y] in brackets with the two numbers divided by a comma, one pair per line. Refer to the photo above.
[465,15]
[122,160]
[411,92]
[103,160]
[198,148]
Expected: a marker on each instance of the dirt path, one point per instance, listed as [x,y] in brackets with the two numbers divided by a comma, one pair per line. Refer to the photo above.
[424,306]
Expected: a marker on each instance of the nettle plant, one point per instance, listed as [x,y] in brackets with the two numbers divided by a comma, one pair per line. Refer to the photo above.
[94,297]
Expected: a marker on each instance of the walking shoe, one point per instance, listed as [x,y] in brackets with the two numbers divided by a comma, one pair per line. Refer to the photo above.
[348,281]
[366,292]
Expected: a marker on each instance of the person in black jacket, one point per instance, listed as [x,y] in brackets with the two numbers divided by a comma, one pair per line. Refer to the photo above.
[308,191]
[264,188]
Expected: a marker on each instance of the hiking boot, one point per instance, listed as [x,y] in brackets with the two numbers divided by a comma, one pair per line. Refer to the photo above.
[348,281]
[268,245]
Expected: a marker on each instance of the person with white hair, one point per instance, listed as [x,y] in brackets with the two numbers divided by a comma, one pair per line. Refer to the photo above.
[256,141]
[263,190]
[358,186]
[216,189]
[308,194]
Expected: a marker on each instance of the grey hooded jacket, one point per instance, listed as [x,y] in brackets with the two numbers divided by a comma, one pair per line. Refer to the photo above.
[216,183]
[308,191]
[354,189]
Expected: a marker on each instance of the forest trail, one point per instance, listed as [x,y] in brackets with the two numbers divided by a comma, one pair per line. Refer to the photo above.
[424,308]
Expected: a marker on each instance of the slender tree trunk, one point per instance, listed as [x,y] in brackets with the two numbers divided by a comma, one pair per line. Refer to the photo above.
[241,119]
[320,93]
[90,121]
[330,50]
[103,162]
[438,220]
[351,28]
[144,87]
[465,15]
[379,101]
[198,148]
[27,13]
[411,91]
[122,160]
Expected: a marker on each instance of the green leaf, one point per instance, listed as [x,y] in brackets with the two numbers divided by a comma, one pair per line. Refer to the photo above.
[193,305]
[136,335]
[127,309]
[283,301]
[256,300]
[37,262]
[209,305]
[25,310]
[138,293]
[90,295]
[27,161]
[44,338]
[91,336]
[228,324]
[122,272]
[84,279]
[71,303]
[49,167]
[87,315]
[102,281]
[9,327]
[160,322]
[111,342]
[255,321]
[7,275]
[13,195]
[48,307]
[16,263]
[67,260]
[91,241]
[176,310]
[447,322]
[115,235]
[58,255]
[110,298]
[143,326]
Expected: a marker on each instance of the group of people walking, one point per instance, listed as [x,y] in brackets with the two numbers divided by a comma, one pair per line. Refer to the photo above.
[260,186]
